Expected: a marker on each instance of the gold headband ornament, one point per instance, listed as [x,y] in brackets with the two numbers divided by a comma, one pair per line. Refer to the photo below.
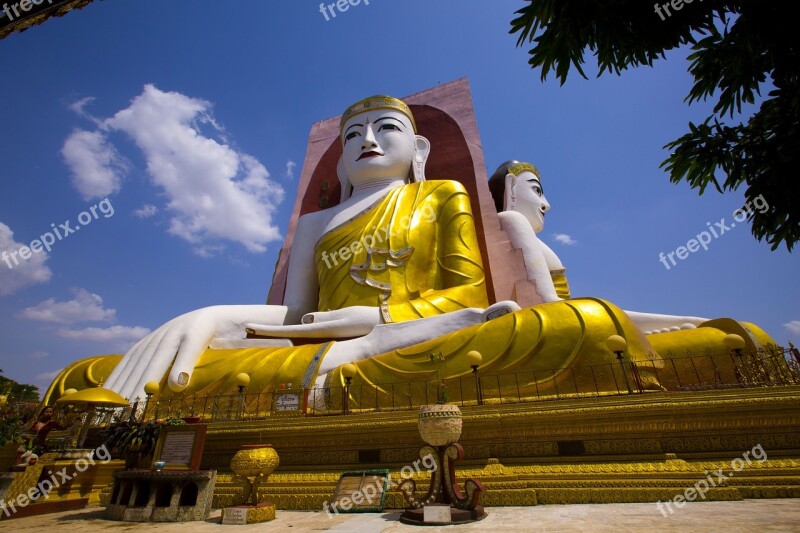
[377,102]
[519,168]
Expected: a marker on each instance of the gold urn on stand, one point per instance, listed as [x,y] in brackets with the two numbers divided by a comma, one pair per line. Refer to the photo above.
[253,463]
[440,427]
[439,424]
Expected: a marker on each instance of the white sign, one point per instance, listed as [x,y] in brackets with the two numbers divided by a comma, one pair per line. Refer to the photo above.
[234,516]
[436,513]
[288,402]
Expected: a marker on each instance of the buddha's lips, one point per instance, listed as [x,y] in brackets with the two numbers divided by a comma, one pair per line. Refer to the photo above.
[368,154]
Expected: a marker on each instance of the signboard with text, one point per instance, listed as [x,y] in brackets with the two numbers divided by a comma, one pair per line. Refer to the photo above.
[181,447]
[288,402]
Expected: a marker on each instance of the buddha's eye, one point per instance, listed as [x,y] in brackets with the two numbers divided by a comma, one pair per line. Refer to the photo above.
[388,126]
[351,135]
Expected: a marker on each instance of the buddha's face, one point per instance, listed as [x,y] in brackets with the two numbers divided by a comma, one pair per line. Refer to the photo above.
[530,200]
[376,145]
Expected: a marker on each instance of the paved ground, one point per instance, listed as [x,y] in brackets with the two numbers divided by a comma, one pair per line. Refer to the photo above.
[761,516]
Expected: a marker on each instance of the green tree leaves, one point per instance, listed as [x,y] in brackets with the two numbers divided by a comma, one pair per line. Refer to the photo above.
[739,49]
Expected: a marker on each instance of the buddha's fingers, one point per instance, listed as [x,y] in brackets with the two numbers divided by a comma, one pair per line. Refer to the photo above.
[189,352]
[139,360]
[125,367]
[121,368]
[142,358]
[499,309]
[394,336]
[160,356]
[329,329]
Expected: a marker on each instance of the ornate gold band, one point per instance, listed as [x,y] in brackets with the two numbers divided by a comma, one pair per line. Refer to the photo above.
[519,168]
[377,102]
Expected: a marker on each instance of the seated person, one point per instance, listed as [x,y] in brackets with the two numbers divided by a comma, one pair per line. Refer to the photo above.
[35,437]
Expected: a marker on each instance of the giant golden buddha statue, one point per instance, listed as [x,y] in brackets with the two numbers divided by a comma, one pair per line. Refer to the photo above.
[390,275]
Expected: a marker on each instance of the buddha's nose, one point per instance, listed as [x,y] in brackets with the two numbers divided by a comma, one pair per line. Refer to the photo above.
[369,137]
[545,206]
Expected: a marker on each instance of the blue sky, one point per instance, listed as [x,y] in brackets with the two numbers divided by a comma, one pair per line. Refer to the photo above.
[186,116]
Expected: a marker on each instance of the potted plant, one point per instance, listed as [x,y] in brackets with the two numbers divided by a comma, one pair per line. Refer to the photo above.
[135,440]
[14,418]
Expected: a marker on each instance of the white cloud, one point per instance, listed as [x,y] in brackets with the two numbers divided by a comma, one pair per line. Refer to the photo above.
[79,108]
[38,355]
[146,211]
[793,327]
[565,239]
[78,105]
[85,307]
[47,377]
[16,275]
[97,168]
[120,335]
[290,166]
[208,250]
[215,192]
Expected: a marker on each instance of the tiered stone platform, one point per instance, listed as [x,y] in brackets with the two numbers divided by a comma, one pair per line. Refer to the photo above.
[633,448]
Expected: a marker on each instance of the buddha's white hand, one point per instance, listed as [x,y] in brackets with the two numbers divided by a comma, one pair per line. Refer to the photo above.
[181,341]
[354,321]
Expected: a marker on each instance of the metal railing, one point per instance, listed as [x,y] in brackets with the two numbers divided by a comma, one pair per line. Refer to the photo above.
[774,367]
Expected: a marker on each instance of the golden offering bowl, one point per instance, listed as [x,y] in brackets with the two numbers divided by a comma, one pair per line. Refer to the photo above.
[255,460]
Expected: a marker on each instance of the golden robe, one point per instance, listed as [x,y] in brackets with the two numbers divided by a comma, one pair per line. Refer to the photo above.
[415,254]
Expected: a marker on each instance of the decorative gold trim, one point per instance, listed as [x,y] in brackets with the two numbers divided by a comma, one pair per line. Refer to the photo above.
[313,367]
[377,102]
[519,168]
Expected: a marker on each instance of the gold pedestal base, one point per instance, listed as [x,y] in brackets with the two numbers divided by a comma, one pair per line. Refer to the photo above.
[637,448]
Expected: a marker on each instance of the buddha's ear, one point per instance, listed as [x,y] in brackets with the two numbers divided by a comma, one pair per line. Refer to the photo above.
[509,192]
[343,181]
[422,149]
